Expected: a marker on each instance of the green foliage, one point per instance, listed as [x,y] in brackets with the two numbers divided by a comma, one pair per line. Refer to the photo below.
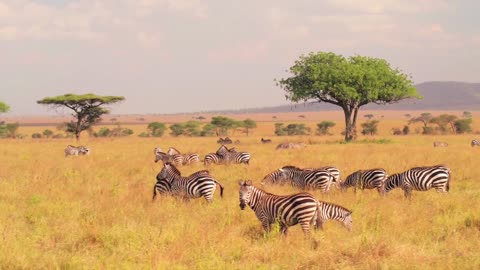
[445,122]
[322,128]
[144,135]
[208,130]
[249,124]
[463,125]
[189,129]
[406,130]
[156,129]
[349,83]
[223,124]
[424,118]
[4,107]
[428,130]
[86,108]
[9,131]
[115,132]
[47,133]
[36,136]
[370,127]
[291,129]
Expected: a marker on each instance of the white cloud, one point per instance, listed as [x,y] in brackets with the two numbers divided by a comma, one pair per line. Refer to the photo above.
[394,6]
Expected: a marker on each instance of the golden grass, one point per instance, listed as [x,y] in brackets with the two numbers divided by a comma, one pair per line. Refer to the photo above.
[96,211]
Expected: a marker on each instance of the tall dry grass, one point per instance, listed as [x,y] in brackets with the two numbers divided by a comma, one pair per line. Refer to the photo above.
[96,211]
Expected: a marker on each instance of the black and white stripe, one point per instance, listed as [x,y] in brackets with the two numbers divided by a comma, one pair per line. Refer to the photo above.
[71,150]
[287,210]
[475,143]
[335,212]
[227,156]
[303,179]
[335,172]
[199,184]
[366,179]
[421,179]
[177,159]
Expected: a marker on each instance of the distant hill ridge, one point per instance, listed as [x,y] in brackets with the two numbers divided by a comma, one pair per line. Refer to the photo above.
[437,95]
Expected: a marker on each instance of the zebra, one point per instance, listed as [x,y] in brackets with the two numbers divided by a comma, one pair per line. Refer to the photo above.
[335,172]
[157,150]
[366,179]
[290,210]
[177,159]
[421,179]
[227,156]
[71,150]
[440,144]
[297,145]
[303,179]
[336,212]
[265,140]
[227,140]
[199,184]
[475,143]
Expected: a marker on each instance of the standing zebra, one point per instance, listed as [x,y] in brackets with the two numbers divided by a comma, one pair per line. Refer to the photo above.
[177,159]
[199,184]
[227,156]
[366,179]
[421,179]
[440,144]
[475,143]
[303,179]
[71,150]
[287,210]
[290,210]
[335,172]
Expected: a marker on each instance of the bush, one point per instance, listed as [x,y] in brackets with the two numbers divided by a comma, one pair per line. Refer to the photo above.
[463,125]
[36,136]
[47,133]
[428,130]
[156,129]
[370,127]
[406,130]
[291,129]
[322,128]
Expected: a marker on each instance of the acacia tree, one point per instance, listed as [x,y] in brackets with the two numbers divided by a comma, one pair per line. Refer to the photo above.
[4,107]
[87,109]
[349,83]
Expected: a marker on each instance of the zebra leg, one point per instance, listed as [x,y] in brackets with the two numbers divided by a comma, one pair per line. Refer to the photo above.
[407,192]
[283,229]
[154,193]
[266,226]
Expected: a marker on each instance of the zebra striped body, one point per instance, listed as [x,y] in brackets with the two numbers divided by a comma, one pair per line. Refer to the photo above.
[475,143]
[328,211]
[177,159]
[199,184]
[303,179]
[440,144]
[71,150]
[421,179]
[287,210]
[335,172]
[227,156]
[366,179]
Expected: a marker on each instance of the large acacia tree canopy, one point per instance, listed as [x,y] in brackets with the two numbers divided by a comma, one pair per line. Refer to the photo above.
[346,82]
[4,107]
[76,102]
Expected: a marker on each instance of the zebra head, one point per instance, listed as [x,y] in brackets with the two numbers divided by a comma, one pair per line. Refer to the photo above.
[163,157]
[350,181]
[245,192]
[168,172]
[83,150]
[348,221]
[157,150]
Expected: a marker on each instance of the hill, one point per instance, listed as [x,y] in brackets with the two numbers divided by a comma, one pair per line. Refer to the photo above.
[439,96]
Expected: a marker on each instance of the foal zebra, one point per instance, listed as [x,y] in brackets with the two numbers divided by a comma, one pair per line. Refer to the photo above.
[366,179]
[303,179]
[71,150]
[475,143]
[421,179]
[290,210]
[199,184]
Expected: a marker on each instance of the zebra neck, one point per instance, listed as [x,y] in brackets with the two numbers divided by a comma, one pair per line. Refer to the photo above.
[255,197]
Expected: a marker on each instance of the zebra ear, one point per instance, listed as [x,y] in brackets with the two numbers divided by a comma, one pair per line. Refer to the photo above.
[240,182]
[248,182]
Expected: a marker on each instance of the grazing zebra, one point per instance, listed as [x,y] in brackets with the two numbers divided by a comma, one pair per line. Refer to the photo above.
[199,184]
[265,140]
[71,150]
[303,179]
[366,179]
[287,210]
[177,159]
[475,143]
[336,212]
[335,172]
[291,145]
[421,179]
[227,156]
[440,144]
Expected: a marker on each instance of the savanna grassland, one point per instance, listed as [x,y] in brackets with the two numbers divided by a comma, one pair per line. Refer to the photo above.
[96,211]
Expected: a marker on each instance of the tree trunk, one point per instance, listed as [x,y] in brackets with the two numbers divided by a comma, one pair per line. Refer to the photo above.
[350,123]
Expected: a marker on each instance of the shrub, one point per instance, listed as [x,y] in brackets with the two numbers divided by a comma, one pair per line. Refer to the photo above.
[406,130]
[156,129]
[370,127]
[463,125]
[322,128]
[291,129]
[36,136]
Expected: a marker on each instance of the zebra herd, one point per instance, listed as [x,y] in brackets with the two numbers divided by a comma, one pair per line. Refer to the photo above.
[474,143]
[299,208]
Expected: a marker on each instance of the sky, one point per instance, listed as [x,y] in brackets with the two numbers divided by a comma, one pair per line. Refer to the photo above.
[172,56]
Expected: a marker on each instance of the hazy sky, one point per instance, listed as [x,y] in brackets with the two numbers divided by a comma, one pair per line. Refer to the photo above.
[168,56]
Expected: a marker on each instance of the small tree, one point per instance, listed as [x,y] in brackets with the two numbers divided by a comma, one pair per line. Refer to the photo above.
[87,109]
[223,124]
[463,125]
[249,124]
[208,130]
[322,128]
[47,133]
[424,118]
[349,83]
[4,107]
[406,130]
[156,129]
[291,129]
[370,127]
[444,122]
[177,129]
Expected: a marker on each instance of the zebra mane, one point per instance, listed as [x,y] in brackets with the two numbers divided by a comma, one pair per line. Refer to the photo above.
[263,191]
[339,206]
[202,172]
[173,151]
[172,168]
[290,167]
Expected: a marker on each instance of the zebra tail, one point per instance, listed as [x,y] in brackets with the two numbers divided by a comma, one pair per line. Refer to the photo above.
[448,181]
[221,188]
